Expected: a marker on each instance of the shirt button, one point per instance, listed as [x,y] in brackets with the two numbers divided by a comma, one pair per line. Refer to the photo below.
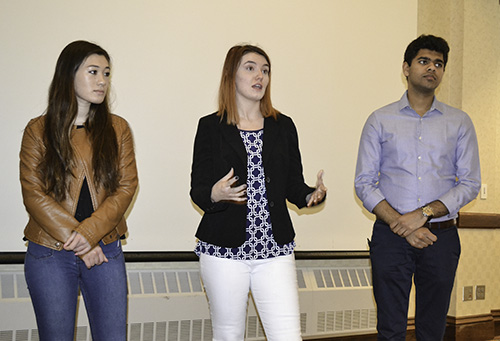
[419,178]
[268,179]
[420,158]
[271,203]
[420,137]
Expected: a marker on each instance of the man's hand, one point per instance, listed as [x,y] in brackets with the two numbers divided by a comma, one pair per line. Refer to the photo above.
[408,223]
[421,238]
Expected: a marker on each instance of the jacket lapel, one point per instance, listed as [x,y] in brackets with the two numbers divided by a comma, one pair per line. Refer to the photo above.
[271,134]
[233,138]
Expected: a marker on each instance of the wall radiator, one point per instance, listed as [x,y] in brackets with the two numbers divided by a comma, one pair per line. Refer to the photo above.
[167,303]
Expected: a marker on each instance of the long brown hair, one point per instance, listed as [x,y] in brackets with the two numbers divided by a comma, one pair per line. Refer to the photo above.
[227,88]
[58,162]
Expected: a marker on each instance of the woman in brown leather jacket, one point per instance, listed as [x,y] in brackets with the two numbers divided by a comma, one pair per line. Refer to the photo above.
[78,176]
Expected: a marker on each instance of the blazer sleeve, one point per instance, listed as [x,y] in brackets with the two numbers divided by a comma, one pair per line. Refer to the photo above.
[297,189]
[203,175]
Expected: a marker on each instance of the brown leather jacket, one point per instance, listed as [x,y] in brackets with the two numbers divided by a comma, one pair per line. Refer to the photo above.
[51,222]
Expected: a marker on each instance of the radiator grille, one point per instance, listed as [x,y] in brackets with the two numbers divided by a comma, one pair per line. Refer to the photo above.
[13,285]
[343,278]
[347,320]
[166,282]
[169,304]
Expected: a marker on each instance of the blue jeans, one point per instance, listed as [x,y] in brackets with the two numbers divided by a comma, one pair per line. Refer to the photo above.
[394,263]
[53,279]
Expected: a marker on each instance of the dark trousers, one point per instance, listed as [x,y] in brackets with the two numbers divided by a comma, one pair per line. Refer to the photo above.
[394,263]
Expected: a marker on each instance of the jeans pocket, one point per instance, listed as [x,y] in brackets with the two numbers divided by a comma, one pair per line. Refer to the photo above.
[38,251]
[112,250]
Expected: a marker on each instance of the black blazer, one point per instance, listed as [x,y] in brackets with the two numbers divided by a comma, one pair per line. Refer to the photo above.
[218,147]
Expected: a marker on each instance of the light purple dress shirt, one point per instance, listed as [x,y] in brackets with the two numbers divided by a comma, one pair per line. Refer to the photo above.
[411,161]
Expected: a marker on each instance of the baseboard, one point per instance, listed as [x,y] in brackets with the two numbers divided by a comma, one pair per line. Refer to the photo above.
[496,321]
[470,328]
[468,220]
[365,337]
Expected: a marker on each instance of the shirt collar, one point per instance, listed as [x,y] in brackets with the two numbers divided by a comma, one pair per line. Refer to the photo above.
[404,105]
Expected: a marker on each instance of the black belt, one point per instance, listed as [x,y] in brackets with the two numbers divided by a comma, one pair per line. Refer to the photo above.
[441,224]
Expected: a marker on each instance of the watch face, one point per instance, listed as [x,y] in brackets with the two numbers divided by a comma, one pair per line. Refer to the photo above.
[427,211]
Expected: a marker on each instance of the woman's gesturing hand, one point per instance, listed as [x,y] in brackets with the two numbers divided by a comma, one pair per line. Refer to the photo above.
[320,192]
[223,189]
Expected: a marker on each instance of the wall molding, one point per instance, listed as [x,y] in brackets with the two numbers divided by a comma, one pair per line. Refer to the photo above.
[496,320]
[469,328]
[467,220]
[189,256]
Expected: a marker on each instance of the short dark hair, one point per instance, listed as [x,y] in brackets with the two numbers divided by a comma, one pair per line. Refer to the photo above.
[428,42]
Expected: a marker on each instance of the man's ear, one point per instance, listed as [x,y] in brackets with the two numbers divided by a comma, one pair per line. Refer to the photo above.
[406,69]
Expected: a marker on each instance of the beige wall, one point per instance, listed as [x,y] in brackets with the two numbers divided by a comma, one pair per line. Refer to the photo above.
[472,83]
[331,69]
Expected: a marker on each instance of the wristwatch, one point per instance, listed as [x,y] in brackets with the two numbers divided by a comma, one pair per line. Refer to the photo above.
[427,212]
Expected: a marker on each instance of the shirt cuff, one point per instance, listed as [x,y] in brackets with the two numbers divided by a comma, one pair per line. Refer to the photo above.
[373,200]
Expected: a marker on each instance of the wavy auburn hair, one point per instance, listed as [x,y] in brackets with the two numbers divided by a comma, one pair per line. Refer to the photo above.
[227,88]
[56,168]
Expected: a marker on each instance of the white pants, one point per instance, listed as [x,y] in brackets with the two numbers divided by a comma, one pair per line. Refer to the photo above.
[273,283]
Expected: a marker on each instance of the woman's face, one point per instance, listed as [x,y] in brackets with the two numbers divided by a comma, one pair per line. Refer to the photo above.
[252,77]
[92,80]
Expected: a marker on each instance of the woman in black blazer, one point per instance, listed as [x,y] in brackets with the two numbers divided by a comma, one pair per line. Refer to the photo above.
[246,164]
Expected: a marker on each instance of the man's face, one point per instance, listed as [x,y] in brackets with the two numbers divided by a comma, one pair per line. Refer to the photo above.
[426,71]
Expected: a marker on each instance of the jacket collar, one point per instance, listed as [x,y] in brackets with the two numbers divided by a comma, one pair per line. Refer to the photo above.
[271,135]
[232,136]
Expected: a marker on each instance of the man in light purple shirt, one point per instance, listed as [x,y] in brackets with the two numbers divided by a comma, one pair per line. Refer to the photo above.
[418,164]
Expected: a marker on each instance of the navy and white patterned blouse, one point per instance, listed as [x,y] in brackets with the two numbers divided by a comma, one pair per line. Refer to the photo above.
[260,243]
